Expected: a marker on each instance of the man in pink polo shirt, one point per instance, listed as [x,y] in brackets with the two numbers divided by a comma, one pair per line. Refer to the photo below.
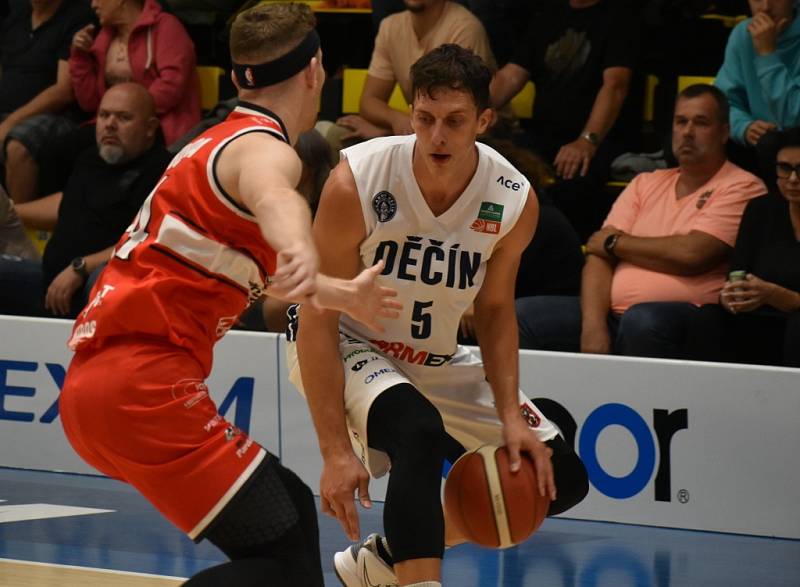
[662,250]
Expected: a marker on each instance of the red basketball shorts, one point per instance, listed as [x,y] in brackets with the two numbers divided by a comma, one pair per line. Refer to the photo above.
[139,411]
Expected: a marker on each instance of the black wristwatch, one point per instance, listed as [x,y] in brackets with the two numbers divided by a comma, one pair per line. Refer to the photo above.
[610,243]
[78,265]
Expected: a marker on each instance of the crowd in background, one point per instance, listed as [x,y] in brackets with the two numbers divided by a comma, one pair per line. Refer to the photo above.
[694,255]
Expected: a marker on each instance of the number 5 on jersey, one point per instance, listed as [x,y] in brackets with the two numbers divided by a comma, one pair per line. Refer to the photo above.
[421,319]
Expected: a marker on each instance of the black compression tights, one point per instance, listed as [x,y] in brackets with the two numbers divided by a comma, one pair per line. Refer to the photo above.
[270,533]
[406,426]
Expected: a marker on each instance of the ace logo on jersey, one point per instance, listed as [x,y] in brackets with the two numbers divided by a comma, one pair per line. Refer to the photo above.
[489,217]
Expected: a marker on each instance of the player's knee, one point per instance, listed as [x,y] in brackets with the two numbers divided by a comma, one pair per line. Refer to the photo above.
[407,425]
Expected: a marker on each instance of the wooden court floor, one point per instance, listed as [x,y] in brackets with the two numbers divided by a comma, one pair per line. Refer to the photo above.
[59,530]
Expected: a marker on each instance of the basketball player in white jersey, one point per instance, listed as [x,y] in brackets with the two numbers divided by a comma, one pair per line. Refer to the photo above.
[450,218]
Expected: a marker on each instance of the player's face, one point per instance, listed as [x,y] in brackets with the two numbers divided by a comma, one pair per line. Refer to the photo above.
[776,9]
[446,125]
[788,178]
[698,135]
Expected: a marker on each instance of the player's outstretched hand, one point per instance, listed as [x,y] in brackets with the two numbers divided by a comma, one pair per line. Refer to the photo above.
[295,279]
[371,300]
[341,476]
[520,438]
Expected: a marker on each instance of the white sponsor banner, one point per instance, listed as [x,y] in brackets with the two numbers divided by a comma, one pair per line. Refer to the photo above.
[667,443]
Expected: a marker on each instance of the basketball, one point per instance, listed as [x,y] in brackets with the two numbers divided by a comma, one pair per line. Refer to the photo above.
[490,505]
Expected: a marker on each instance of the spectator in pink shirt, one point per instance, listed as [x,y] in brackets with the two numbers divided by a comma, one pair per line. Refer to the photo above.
[662,250]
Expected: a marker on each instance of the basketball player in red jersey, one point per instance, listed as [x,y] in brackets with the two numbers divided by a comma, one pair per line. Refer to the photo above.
[223,226]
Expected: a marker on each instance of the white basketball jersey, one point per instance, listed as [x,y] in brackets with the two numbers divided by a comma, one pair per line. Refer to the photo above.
[436,263]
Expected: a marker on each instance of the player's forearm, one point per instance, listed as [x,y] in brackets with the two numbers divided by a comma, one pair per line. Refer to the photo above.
[499,342]
[284,218]
[323,382]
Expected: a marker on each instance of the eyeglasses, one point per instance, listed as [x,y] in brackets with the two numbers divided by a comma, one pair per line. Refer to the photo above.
[784,170]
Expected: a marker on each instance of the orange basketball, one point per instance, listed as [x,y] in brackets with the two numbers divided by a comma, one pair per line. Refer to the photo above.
[489,504]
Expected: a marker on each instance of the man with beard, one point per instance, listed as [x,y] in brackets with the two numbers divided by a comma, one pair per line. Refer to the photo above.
[661,252]
[105,190]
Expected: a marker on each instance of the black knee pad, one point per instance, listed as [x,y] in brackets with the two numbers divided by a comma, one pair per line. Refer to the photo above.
[402,420]
[273,518]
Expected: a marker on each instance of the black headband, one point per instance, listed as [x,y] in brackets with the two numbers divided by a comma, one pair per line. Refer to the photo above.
[280,69]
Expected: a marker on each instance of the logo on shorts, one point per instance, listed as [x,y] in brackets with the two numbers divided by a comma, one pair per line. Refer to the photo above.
[385,206]
[530,416]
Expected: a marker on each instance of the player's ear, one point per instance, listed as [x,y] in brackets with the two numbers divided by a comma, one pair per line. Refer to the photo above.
[235,81]
[484,120]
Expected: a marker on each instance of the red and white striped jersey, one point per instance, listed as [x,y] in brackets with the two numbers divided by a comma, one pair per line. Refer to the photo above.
[192,260]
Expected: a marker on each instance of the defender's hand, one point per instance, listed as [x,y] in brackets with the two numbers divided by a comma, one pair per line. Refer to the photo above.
[372,301]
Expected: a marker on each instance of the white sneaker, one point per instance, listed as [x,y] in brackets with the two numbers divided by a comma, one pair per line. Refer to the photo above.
[361,565]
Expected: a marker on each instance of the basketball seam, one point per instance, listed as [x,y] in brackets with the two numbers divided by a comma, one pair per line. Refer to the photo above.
[496,490]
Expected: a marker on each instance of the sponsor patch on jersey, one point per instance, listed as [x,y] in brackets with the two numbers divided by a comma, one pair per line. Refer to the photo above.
[385,206]
[489,217]
[530,416]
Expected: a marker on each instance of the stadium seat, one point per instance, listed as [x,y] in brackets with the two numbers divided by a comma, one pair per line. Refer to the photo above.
[209,85]
[39,238]
[684,81]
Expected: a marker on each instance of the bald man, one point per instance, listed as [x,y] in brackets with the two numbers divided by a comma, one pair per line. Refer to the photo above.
[108,185]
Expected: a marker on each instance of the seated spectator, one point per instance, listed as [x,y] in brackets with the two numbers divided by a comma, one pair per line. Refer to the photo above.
[402,39]
[580,55]
[35,37]
[139,42]
[758,318]
[108,185]
[663,249]
[761,77]
[500,18]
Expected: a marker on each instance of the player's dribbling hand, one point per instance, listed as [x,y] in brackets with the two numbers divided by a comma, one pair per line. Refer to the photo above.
[372,301]
[341,476]
[520,438]
[295,279]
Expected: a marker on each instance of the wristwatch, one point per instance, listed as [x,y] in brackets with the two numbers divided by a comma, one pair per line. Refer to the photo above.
[592,137]
[610,243]
[78,265]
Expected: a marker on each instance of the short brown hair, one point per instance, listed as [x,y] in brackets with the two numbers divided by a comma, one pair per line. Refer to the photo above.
[454,67]
[269,30]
